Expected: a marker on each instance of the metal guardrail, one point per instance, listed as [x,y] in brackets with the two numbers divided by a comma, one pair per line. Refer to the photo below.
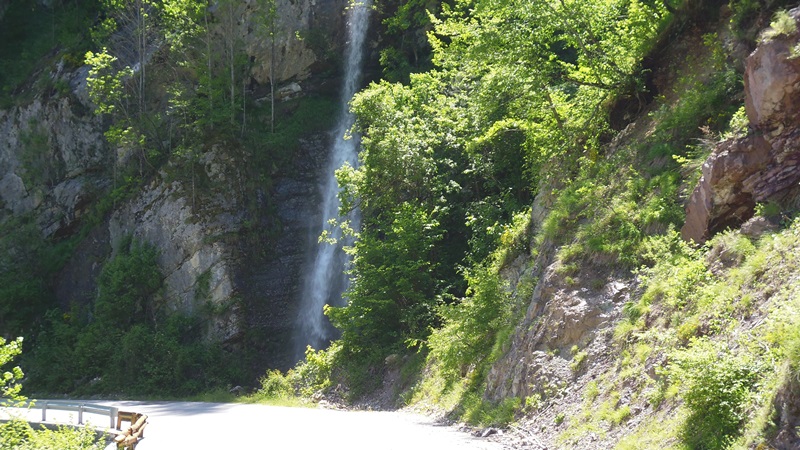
[70,405]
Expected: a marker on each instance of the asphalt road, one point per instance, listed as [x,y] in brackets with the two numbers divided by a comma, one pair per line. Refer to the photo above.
[191,425]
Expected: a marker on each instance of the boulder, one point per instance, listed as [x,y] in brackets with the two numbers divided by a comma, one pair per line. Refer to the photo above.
[720,200]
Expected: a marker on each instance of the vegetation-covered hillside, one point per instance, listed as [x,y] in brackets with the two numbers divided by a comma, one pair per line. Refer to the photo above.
[520,258]
[579,217]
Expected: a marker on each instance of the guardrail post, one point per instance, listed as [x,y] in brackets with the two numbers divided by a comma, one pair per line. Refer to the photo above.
[80,414]
[114,412]
[44,412]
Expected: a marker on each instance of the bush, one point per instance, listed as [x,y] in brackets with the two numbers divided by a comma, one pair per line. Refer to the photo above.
[274,385]
[17,434]
[471,327]
[308,377]
[479,411]
[314,373]
[129,331]
[9,380]
[717,385]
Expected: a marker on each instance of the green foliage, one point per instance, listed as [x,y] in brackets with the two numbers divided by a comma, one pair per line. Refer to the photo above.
[470,328]
[126,286]
[127,332]
[717,386]
[11,376]
[452,159]
[770,210]
[105,82]
[313,374]
[738,125]
[782,25]
[27,261]
[275,385]
[392,299]
[703,103]
[404,47]
[479,411]
[309,377]
[294,119]
[578,358]
[17,434]
[40,168]
[592,391]
[611,208]
[743,13]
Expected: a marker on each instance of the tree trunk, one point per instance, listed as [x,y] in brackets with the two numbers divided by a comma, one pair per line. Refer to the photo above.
[272,78]
[244,105]
[210,75]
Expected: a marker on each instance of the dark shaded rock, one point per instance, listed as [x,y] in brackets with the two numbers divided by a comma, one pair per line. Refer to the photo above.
[271,273]
[757,226]
[77,282]
[486,432]
[719,200]
[237,391]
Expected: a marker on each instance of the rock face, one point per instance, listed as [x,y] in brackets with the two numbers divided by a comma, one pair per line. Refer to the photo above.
[271,271]
[49,159]
[561,322]
[763,166]
[192,256]
[306,32]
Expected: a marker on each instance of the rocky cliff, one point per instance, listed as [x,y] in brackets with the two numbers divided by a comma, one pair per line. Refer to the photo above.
[764,165]
[582,381]
[52,153]
[233,249]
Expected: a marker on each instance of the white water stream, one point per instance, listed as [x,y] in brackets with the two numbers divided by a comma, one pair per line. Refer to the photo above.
[326,278]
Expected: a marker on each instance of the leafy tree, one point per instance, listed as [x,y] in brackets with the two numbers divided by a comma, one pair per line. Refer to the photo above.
[404,46]
[518,96]
[127,286]
[393,294]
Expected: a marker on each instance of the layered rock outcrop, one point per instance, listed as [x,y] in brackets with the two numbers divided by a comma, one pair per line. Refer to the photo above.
[306,32]
[196,263]
[49,160]
[563,325]
[764,165]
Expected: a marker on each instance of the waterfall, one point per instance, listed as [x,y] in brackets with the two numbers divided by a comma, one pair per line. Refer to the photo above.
[325,278]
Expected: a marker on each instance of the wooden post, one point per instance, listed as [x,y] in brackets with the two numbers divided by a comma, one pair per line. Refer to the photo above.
[132,434]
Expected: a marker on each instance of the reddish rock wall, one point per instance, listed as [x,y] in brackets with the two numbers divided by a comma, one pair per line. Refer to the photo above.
[763,166]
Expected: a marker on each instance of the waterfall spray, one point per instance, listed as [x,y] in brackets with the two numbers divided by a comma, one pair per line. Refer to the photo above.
[326,278]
